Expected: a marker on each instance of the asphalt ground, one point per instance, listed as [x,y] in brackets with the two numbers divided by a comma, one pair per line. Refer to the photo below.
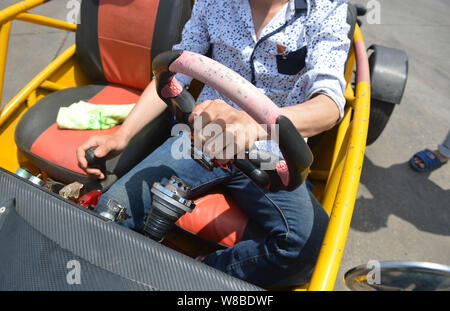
[399,214]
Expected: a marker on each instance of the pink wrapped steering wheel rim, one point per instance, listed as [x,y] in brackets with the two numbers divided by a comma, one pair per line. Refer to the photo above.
[291,172]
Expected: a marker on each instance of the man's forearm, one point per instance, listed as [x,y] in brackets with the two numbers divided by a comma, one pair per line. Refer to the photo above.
[318,114]
[147,108]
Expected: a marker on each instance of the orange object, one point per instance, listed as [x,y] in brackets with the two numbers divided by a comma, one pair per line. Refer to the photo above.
[281,50]
[129,46]
[216,217]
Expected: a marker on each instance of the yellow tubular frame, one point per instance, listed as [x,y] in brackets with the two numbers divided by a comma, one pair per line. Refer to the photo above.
[40,81]
[18,11]
[346,176]
[11,12]
[46,21]
[5,30]
[41,85]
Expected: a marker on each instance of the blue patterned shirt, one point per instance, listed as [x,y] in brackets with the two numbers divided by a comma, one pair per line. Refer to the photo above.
[300,53]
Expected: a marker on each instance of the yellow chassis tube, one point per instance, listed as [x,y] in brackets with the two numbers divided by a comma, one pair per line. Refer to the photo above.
[18,11]
[11,12]
[327,266]
[58,75]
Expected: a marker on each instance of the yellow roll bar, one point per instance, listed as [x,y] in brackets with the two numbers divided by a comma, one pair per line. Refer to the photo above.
[346,176]
[18,11]
[5,30]
[39,81]
[11,12]
[46,21]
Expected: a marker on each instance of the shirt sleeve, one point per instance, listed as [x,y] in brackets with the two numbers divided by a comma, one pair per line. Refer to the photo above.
[328,47]
[195,36]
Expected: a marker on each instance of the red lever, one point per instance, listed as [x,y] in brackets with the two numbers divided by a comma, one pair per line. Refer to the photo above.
[90,199]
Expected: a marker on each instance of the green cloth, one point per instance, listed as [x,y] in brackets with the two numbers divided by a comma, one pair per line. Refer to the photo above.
[85,116]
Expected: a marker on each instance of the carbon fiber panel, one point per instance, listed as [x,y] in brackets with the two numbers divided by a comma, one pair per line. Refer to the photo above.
[41,232]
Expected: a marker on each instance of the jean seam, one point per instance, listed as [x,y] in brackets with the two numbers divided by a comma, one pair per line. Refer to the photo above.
[240,262]
[195,188]
[280,211]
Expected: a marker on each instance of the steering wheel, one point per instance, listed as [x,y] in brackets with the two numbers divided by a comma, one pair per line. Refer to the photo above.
[289,173]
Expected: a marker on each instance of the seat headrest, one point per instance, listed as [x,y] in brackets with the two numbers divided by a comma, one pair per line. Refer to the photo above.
[117,40]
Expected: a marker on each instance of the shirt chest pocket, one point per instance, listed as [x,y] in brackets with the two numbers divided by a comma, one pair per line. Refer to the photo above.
[293,62]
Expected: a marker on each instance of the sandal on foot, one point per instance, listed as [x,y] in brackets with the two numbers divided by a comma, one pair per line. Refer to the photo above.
[429,159]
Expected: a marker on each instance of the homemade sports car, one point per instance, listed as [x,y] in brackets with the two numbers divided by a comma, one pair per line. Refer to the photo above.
[49,222]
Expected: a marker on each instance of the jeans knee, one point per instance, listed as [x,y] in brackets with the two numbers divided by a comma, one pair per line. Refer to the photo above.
[286,249]
[300,248]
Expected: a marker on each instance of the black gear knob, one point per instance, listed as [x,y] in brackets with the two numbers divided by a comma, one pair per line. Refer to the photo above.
[99,163]
[93,161]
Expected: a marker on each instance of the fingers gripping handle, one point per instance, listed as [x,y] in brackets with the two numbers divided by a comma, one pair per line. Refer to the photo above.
[298,157]
[93,161]
[99,163]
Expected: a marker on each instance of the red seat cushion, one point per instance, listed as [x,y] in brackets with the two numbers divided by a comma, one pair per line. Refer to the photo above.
[54,150]
[216,217]
[59,145]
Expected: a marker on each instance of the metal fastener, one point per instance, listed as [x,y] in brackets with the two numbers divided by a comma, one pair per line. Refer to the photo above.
[2,209]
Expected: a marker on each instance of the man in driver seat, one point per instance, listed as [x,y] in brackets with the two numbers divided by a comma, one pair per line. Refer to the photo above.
[294,51]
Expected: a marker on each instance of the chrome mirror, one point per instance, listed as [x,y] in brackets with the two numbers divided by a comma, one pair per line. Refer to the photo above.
[398,276]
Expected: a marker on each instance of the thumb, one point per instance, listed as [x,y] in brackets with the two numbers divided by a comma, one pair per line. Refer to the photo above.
[102,151]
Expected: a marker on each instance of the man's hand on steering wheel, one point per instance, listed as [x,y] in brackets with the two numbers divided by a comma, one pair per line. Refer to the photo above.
[224,131]
[287,174]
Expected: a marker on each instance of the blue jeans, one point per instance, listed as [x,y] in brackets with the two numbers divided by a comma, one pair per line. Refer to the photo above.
[293,222]
[444,148]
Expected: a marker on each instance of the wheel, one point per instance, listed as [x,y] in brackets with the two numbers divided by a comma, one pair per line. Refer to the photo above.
[380,112]
[388,76]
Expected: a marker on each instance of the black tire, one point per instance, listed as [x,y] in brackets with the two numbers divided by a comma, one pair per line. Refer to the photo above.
[380,112]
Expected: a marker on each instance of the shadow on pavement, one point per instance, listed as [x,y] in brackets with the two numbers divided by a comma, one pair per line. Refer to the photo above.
[400,191]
